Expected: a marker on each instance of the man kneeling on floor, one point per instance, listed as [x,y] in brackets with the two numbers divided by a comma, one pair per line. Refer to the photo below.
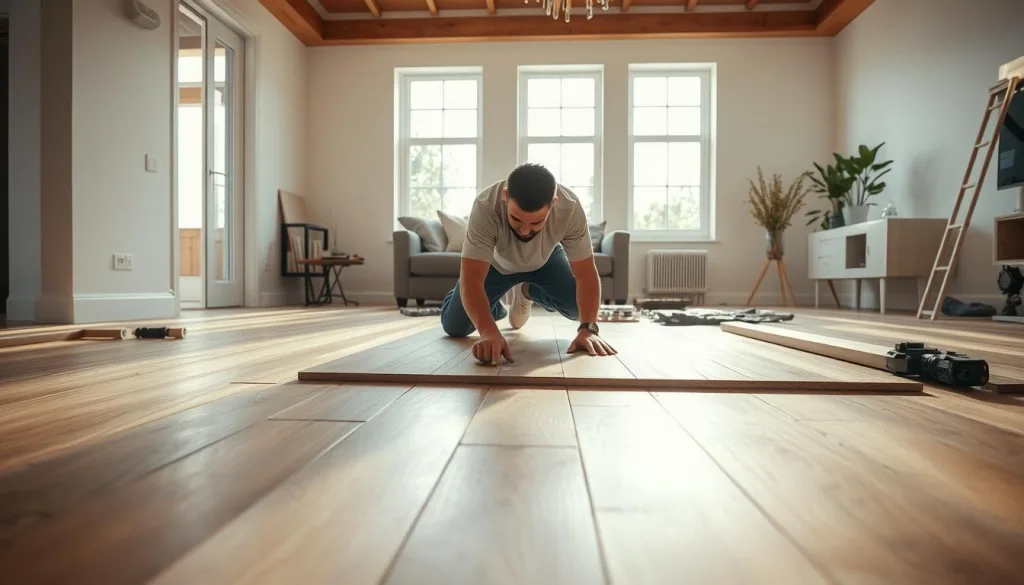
[530,235]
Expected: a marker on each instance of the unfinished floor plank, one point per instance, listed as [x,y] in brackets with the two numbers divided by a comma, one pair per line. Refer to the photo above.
[523,417]
[31,495]
[327,524]
[505,515]
[664,509]
[649,356]
[173,508]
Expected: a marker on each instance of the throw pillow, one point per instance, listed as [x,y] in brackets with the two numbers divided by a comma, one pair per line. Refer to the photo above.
[430,231]
[455,229]
[597,234]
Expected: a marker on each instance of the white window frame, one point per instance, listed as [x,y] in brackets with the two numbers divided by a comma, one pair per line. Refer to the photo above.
[403,140]
[707,74]
[595,72]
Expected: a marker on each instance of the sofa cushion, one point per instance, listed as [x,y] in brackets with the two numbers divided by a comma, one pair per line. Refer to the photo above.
[435,264]
[597,234]
[604,264]
[430,231]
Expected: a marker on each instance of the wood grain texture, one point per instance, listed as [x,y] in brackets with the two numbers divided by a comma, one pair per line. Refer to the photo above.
[523,417]
[295,533]
[173,508]
[357,403]
[648,356]
[505,515]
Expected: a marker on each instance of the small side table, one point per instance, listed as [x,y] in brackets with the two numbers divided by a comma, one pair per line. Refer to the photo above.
[330,270]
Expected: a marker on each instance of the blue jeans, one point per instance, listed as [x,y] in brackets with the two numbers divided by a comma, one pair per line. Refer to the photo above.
[552,286]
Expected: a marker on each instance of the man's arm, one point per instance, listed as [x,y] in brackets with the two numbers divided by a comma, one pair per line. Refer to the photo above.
[588,288]
[474,298]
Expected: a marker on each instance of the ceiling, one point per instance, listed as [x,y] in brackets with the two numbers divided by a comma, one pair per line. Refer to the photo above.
[354,22]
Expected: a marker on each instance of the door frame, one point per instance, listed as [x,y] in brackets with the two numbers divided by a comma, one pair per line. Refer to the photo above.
[235,20]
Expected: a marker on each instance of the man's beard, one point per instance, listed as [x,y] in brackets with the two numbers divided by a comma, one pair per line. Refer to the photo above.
[523,238]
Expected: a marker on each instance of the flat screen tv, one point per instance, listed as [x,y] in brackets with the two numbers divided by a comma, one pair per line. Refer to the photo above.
[1011,145]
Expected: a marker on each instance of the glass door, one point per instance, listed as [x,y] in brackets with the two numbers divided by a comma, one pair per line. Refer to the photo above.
[225,54]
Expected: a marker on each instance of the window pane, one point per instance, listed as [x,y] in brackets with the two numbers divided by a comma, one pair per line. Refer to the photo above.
[549,155]
[460,93]
[545,122]
[425,124]
[650,91]
[683,208]
[459,165]
[426,95]
[459,202]
[578,92]
[650,163]
[684,91]
[649,207]
[684,121]
[578,122]
[649,121]
[684,163]
[425,165]
[577,164]
[586,197]
[460,123]
[424,202]
[543,93]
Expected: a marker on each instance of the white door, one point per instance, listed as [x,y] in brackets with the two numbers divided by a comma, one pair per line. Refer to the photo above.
[225,54]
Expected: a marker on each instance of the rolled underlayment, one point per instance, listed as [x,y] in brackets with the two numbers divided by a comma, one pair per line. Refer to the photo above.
[869,355]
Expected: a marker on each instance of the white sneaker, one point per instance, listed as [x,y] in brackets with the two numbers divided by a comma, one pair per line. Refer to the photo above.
[520,307]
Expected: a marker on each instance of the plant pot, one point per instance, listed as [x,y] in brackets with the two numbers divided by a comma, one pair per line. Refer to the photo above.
[835,221]
[855,214]
[773,245]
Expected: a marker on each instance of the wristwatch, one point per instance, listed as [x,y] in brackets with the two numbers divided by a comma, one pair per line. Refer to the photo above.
[592,327]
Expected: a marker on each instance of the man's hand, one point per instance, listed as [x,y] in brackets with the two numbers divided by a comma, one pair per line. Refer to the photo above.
[490,347]
[594,345]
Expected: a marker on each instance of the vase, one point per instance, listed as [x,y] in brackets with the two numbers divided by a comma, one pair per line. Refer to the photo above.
[855,214]
[773,244]
[835,221]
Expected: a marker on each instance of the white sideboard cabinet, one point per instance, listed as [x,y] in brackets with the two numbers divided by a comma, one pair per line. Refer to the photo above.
[897,247]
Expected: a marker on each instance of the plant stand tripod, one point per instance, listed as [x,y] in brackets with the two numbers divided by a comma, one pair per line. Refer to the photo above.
[783,281]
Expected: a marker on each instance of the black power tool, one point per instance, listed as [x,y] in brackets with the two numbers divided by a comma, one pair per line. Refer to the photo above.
[946,367]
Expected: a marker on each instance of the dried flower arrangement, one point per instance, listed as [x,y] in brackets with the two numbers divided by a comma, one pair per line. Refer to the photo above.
[773,207]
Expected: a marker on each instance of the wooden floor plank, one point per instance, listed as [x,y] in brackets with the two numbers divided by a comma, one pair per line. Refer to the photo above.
[664,509]
[343,517]
[505,515]
[31,495]
[173,508]
[523,417]
[355,403]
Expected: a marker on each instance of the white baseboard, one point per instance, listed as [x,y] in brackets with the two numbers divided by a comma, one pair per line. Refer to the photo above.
[100,308]
[54,308]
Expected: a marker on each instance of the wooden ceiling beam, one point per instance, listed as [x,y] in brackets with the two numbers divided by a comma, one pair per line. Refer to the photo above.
[372,6]
[432,7]
[625,5]
[299,17]
[490,7]
[606,26]
[834,15]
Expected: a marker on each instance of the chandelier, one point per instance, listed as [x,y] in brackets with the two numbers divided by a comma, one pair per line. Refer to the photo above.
[552,7]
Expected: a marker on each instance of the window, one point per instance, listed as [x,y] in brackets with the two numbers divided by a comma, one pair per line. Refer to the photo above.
[440,150]
[560,128]
[670,128]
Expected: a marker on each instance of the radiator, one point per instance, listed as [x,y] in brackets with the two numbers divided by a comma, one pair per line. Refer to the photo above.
[676,272]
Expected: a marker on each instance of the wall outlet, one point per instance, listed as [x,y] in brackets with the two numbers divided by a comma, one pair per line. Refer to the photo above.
[122,261]
[150,163]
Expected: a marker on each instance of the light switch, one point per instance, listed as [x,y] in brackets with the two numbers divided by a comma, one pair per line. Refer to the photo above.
[150,163]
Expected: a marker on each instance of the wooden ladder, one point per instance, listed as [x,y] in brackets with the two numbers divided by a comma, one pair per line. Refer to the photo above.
[999,98]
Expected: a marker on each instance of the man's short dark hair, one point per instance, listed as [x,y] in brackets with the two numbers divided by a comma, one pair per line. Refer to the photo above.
[531,186]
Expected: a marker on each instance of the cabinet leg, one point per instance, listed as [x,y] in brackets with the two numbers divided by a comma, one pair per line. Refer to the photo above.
[816,292]
[835,296]
[858,294]
[881,295]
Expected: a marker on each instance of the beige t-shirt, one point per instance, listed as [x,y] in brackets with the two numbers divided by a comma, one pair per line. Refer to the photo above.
[490,238]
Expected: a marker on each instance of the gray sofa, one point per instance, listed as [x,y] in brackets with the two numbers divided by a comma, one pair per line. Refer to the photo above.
[423,276]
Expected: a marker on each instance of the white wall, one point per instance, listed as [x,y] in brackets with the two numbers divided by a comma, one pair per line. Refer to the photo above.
[121,82]
[915,74]
[775,108]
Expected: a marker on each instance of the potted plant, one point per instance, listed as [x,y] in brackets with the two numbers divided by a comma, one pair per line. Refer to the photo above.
[866,174]
[773,208]
[833,184]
